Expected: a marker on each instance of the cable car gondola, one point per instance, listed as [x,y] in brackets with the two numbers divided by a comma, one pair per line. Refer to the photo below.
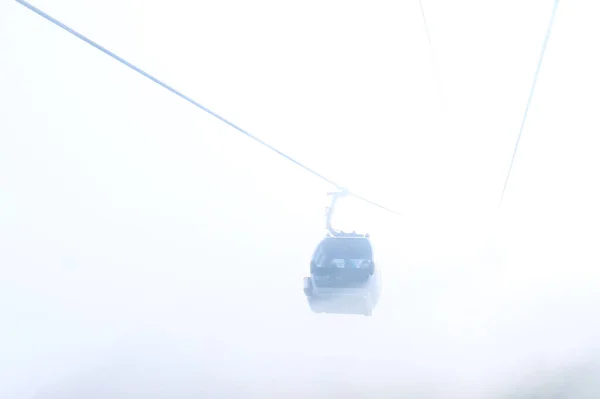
[343,276]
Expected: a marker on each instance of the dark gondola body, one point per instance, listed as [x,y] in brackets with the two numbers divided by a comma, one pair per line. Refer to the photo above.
[344,278]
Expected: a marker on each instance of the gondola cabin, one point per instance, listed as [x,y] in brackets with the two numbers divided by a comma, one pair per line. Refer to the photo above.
[343,276]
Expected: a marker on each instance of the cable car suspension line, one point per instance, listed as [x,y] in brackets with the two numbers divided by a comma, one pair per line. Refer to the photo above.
[191,101]
[535,77]
[434,61]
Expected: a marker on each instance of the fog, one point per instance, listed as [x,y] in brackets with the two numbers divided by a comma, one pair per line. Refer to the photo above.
[148,250]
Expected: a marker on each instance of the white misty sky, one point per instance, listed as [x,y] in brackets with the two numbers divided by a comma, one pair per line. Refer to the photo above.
[146,246]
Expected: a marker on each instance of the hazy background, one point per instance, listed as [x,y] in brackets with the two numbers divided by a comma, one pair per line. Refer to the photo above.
[148,250]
